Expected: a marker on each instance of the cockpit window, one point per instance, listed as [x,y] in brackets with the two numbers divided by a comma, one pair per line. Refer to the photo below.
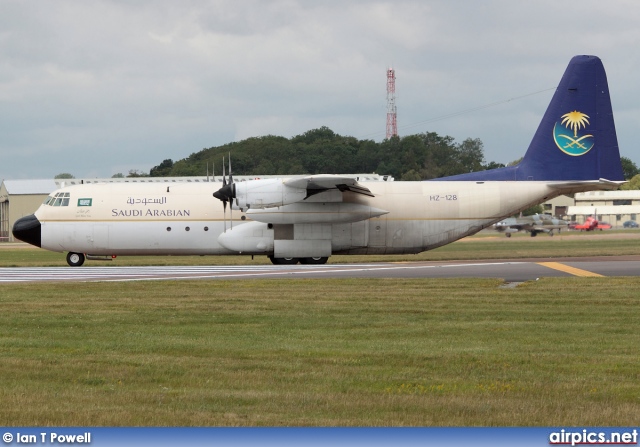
[59,199]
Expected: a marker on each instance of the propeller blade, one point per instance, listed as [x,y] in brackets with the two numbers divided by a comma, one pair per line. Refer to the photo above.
[224,176]
[232,193]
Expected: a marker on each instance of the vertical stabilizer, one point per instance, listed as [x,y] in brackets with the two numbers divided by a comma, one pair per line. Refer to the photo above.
[576,139]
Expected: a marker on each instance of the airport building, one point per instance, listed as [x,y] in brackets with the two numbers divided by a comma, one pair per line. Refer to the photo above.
[20,198]
[614,207]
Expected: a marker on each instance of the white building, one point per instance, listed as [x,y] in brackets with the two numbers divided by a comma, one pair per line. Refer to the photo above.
[615,207]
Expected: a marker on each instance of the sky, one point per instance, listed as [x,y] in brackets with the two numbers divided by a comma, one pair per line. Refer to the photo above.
[95,88]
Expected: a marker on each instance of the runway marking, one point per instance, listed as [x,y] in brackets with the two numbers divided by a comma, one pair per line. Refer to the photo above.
[568,269]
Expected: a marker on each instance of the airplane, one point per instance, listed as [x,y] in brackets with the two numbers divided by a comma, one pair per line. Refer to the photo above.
[308,219]
[537,223]
[592,224]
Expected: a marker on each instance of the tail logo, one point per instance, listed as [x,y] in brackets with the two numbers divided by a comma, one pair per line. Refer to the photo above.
[567,135]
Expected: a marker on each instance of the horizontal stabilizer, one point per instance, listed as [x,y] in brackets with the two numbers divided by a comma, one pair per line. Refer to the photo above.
[602,184]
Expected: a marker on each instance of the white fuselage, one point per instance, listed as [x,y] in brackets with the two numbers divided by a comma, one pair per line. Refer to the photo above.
[185,219]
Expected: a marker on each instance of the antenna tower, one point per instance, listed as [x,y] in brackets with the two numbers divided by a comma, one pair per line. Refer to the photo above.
[392,124]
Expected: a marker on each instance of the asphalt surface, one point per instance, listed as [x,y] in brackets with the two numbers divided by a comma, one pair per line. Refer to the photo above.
[509,270]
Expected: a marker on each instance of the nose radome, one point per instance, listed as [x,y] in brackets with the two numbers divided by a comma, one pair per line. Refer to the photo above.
[27,229]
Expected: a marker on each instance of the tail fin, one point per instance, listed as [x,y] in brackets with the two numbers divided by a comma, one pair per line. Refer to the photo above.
[576,139]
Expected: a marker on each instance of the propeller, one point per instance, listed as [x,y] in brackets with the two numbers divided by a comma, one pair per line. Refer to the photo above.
[227,193]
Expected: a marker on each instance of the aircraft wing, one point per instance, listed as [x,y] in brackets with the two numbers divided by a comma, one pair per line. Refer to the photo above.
[268,193]
[319,183]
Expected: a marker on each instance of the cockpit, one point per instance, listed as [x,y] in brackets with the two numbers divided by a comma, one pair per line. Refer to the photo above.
[59,199]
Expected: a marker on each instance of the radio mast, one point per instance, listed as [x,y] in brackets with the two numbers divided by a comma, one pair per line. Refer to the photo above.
[392,124]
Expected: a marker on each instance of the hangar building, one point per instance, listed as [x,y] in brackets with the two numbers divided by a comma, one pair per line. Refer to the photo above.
[20,198]
[615,207]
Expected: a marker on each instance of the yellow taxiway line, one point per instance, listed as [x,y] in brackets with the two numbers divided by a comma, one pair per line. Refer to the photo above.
[571,270]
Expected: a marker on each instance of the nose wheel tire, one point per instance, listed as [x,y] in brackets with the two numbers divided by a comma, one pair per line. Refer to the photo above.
[75,259]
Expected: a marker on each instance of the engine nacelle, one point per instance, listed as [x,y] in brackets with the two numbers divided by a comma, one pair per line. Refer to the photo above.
[249,237]
[266,193]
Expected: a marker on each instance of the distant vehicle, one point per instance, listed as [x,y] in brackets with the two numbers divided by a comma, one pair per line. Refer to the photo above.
[538,223]
[572,225]
[630,224]
[592,224]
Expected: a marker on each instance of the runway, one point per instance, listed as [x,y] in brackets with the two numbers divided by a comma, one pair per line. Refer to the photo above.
[508,270]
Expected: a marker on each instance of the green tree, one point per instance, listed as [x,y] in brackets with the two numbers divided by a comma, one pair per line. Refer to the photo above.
[411,176]
[137,173]
[163,169]
[536,209]
[64,175]
[629,168]
[493,165]
[470,155]
[634,183]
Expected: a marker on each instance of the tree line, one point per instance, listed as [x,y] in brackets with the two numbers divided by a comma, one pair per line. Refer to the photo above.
[322,151]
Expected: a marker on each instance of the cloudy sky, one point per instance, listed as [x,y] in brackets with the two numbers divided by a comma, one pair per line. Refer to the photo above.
[94,88]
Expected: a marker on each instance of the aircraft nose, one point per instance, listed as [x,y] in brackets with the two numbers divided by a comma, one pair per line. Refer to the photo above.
[27,229]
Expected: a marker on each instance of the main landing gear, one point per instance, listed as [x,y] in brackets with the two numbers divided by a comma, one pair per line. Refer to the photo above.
[292,261]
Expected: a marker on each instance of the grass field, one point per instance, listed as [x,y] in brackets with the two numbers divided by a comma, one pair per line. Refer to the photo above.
[307,352]
[385,352]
